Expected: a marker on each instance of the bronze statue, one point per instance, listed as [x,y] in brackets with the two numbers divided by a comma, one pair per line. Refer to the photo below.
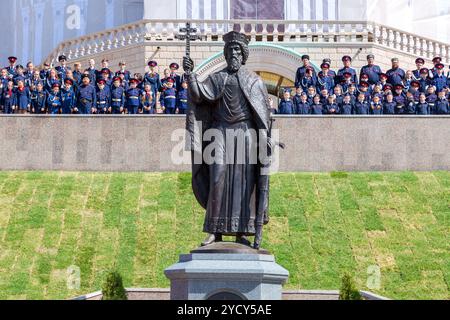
[235,194]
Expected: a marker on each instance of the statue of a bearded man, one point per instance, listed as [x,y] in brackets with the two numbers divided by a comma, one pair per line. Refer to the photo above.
[232,106]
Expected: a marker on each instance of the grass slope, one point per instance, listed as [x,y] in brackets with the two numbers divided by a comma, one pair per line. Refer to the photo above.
[322,225]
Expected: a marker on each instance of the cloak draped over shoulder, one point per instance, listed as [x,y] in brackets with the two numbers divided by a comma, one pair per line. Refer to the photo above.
[232,194]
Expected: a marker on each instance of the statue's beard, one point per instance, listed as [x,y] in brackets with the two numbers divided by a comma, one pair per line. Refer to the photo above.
[234,64]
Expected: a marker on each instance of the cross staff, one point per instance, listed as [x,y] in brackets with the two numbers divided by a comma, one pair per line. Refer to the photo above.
[188,34]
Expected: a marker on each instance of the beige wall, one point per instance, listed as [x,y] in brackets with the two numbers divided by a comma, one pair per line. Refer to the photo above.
[142,143]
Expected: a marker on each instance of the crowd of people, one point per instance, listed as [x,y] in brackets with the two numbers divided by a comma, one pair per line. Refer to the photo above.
[420,92]
[63,90]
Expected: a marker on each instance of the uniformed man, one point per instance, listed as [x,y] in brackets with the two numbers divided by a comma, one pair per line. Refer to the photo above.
[103,97]
[436,61]
[419,64]
[92,71]
[87,98]
[331,72]
[123,70]
[132,98]
[309,79]
[62,68]
[424,80]
[45,72]
[173,74]
[77,74]
[301,72]
[12,66]
[29,71]
[347,61]
[19,76]
[371,70]
[325,78]
[396,75]
[439,80]
[168,99]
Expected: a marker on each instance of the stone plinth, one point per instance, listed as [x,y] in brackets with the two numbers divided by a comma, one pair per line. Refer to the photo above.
[226,271]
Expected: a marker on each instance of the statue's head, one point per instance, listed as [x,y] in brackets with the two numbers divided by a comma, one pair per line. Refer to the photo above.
[236,50]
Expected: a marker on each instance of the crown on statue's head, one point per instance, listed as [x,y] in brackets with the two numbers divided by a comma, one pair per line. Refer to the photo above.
[234,36]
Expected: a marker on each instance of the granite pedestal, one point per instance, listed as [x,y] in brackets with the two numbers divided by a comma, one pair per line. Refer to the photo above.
[226,271]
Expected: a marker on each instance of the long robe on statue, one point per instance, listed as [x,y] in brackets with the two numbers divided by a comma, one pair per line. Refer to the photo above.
[233,189]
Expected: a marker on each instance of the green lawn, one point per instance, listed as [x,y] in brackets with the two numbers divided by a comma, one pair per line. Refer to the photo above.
[322,225]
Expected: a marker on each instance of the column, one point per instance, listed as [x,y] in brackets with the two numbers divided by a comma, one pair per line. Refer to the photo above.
[109,18]
[58,21]
[25,33]
[38,31]
[83,4]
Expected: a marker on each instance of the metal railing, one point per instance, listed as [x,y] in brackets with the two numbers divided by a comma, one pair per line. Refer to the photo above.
[284,31]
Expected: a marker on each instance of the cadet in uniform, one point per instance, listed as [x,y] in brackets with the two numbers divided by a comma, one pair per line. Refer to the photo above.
[423,108]
[439,80]
[309,79]
[436,61]
[286,105]
[62,68]
[77,74]
[19,76]
[396,75]
[68,97]
[132,95]
[168,98]
[389,106]
[148,100]
[117,96]
[8,98]
[51,80]
[371,70]
[103,97]
[54,100]
[152,78]
[347,60]
[182,100]
[45,72]
[23,98]
[301,72]
[12,67]
[376,107]
[92,72]
[441,106]
[316,107]
[424,80]
[325,78]
[39,99]
[122,70]
[419,64]
[87,98]
[173,74]
[302,106]
[362,106]
[346,107]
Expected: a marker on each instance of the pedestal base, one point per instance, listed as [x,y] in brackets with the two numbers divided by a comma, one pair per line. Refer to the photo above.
[226,271]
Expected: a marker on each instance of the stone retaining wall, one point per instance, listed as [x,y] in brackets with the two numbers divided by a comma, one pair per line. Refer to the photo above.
[150,143]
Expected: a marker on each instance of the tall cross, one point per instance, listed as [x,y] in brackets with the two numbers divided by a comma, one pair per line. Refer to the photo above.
[188,34]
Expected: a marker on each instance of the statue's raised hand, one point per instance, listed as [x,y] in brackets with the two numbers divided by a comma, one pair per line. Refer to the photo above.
[188,65]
